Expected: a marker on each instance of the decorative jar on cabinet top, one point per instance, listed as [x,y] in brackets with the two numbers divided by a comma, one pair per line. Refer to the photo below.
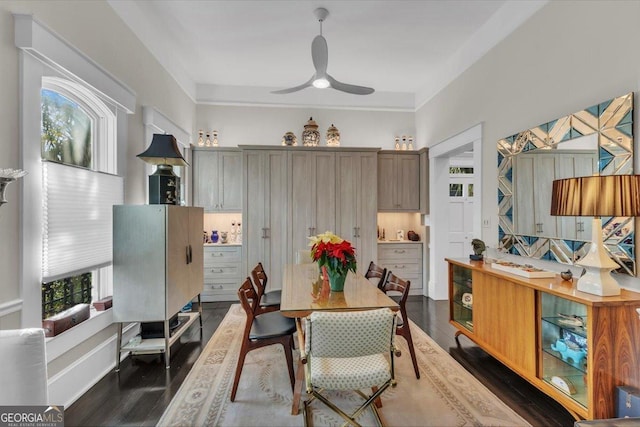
[310,135]
[333,136]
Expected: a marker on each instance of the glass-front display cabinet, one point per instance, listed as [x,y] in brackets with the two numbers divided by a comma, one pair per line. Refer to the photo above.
[461,298]
[564,346]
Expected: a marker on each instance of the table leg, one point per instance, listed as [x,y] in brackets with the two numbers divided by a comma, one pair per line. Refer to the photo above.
[300,380]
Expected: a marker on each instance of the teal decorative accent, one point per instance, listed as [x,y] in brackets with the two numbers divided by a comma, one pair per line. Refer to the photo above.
[627,129]
[336,281]
[605,158]
[602,107]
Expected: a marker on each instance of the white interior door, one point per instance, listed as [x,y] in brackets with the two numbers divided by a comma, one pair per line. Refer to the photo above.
[460,215]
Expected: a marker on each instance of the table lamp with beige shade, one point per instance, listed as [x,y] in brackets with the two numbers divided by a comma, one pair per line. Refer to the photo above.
[597,196]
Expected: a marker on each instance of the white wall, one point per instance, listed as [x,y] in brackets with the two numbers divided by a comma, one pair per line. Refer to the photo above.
[267,125]
[568,56]
[94,29]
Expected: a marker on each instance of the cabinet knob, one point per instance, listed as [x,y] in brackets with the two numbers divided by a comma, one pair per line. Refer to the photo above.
[398,251]
[219,270]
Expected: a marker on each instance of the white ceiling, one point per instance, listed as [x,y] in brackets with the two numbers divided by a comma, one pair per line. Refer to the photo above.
[236,52]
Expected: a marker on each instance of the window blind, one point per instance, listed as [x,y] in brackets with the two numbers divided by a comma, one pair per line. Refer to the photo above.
[78,219]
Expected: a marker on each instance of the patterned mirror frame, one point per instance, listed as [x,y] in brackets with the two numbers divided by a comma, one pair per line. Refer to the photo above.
[612,120]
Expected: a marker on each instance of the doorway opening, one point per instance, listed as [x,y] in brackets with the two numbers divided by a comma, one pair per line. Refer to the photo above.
[440,219]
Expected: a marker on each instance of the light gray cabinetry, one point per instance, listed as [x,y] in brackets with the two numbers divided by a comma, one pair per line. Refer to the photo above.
[356,203]
[313,196]
[222,272]
[399,182]
[533,175]
[217,179]
[157,266]
[264,218]
[404,260]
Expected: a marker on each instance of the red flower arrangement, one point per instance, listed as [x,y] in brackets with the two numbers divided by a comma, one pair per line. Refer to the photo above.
[332,251]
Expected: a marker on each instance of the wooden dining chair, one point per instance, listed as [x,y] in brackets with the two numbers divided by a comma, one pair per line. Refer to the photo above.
[376,272]
[394,284]
[267,300]
[262,330]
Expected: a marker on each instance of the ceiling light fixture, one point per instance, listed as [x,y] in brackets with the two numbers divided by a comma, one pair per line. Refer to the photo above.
[320,55]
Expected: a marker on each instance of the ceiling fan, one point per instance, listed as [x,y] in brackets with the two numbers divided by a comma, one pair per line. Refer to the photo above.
[320,55]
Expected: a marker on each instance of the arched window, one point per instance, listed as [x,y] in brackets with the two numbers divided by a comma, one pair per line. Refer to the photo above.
[78,140]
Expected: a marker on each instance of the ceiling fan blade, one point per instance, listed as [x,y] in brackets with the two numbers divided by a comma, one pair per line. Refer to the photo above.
[344,87]
[320,55]
[294,89]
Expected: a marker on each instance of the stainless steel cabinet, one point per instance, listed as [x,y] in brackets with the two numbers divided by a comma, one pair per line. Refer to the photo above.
[157,264]
[399,182]
[217,179]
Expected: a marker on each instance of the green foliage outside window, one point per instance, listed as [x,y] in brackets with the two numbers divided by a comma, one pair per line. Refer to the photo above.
[60,295]
[66,130]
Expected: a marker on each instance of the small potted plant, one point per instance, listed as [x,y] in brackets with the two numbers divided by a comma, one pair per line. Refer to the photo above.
[478,249]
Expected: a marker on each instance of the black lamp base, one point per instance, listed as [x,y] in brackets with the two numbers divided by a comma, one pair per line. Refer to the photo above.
[164,186]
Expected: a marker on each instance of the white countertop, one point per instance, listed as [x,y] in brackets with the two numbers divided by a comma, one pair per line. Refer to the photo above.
[221,244]
[385,242]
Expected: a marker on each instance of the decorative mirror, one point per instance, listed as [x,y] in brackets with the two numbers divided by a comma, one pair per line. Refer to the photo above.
[596,140]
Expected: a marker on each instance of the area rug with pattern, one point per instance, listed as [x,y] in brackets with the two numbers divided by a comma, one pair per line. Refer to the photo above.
[445,395]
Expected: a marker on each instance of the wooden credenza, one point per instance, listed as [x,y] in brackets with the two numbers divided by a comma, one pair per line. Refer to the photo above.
[517,320]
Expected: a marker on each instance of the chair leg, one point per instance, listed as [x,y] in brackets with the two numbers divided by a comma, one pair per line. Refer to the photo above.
[236,380]
[406,333]
[289,355]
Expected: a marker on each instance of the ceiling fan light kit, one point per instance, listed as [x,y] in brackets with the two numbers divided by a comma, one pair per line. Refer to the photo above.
[320,56]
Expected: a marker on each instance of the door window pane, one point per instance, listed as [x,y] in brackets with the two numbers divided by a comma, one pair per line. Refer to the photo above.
[470,190]
[455,190]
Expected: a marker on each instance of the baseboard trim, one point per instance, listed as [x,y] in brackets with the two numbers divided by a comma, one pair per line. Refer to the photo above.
[71,383]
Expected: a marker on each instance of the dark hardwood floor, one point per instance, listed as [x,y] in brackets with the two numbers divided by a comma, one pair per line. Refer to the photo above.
[139,393]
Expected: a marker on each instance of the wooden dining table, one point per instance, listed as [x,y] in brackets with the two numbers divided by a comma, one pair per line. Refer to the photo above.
[302,294]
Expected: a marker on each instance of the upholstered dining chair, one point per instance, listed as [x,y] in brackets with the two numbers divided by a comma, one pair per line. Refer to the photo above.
[395,285]
[267,300]
[376,272]
[347,350]
[261,331]
[23,367]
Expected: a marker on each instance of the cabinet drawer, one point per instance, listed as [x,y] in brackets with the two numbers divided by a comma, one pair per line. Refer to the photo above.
[408,252]
[222,271]
[403,269]
[214,287]
[216,254]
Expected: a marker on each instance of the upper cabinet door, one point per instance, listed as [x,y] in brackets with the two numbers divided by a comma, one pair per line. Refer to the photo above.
[399,182]
[387,182]
[205,178]
[230,181]
[217,180]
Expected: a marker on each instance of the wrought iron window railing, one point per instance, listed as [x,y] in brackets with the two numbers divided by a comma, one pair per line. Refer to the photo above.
[60,295]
